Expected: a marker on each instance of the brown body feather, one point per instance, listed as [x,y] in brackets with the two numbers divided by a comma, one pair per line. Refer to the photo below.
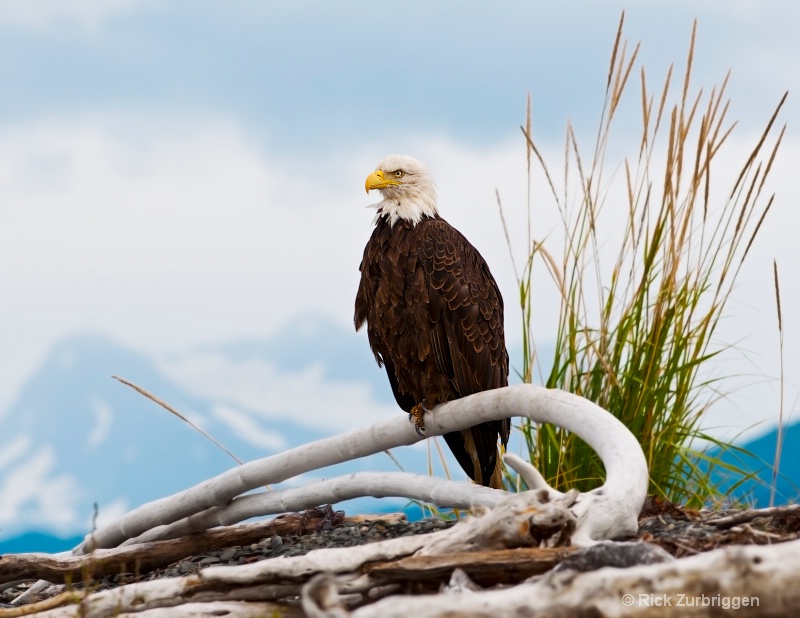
[434,318]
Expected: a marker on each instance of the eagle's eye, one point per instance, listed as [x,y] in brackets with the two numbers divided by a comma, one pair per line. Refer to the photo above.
[399,174]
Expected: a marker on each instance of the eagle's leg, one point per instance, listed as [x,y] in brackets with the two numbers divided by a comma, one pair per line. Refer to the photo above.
[417,416]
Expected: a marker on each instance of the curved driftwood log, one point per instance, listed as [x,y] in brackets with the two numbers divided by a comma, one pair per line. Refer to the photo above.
[442,492]
[606,512]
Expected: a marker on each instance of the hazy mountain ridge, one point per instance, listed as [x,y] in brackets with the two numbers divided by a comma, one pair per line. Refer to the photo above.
[760,461]
[75,437]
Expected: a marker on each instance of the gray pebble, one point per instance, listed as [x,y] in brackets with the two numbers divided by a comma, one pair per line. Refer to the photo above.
[211,560]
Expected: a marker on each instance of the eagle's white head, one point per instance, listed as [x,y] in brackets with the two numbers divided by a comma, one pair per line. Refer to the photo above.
[407,189]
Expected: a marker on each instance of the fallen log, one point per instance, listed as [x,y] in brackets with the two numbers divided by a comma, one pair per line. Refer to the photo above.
[751,514]
[229,609]
[486,568]
[755,581]
[143,558]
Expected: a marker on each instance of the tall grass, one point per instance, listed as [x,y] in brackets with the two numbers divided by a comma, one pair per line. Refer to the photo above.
[776,464]
[636,330]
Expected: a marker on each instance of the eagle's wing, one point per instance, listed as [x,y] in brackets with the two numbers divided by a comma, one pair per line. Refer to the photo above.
[467,334]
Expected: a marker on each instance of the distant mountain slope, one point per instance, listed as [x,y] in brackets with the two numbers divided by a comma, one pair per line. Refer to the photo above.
[75,437]
[38,542]
[762,456]
[82,438]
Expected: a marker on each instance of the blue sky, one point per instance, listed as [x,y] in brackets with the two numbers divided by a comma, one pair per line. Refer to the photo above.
[311,75]
[175,174]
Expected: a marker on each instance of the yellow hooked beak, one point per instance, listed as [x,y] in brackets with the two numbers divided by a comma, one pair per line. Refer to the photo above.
[378,180]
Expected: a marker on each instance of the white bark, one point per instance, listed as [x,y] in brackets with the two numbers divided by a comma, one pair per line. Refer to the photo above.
[507,525]
[171,592]
[325,560]
[606,512]
[147,595]
[528,519]
[529,474]
[442,492]
[765,577]
[228,609]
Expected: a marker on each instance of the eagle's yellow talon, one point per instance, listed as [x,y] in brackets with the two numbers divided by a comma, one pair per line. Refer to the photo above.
[417,415]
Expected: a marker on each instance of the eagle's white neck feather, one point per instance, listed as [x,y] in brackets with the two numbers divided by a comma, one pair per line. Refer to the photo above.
[406,208]
[411,200]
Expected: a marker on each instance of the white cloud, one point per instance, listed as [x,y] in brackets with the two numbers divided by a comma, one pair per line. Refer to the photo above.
[167,232]
[103,417]
[35,493]
[45,13]
[13,449]
[248,429]
[306,398]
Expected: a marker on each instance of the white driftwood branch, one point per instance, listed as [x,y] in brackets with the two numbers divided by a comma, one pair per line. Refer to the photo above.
[762,576]
[442,492]
[529,474]
[170,592]
[213,609]
[614,506]
[146,557]
[768,572]
[511,525]
[229,609]
[506,525]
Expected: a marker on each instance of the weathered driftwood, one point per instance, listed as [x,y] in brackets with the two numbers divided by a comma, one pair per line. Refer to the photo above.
[510,524]
[766,575]
[486,568]
[606,512]
[269,579]
[170,593]
[68,598]
[139,559]
[231,609]
[528,519]
[442,492]
[609,511]
[756,580]
[751,514]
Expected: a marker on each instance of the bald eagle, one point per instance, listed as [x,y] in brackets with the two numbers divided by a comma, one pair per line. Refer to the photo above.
[433,311]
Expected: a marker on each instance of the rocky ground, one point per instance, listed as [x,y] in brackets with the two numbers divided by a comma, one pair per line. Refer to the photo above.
[683,532]
[679,531]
